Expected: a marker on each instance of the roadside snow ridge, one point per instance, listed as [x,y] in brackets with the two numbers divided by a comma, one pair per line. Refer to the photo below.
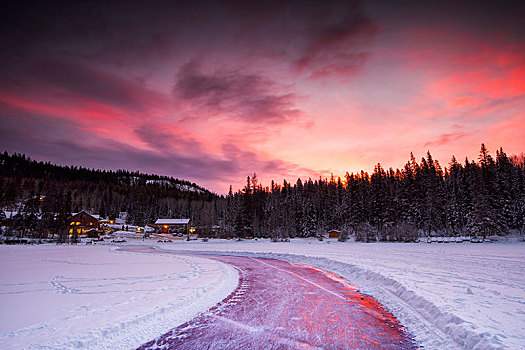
[430,326]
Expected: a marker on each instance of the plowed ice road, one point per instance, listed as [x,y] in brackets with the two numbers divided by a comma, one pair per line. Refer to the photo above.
[283,305]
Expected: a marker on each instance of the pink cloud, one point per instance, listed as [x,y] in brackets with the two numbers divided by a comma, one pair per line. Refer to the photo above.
[245,97]
[446,139]
[464,101]
[284,89]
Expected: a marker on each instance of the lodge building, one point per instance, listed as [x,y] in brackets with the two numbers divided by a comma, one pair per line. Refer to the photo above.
[82,222]
[173,226]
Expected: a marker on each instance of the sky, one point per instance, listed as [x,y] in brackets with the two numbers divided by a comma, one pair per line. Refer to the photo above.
[212,92]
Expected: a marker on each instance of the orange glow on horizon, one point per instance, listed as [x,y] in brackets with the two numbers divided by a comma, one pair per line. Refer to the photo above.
[299,104]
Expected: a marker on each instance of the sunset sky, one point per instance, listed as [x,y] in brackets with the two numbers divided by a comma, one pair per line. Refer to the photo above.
[212,92]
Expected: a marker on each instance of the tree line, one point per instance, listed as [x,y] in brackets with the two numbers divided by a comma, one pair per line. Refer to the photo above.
[475,198]
[39,197]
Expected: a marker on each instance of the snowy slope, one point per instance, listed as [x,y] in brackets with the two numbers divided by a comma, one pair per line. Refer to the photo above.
[57,297]
[450,295]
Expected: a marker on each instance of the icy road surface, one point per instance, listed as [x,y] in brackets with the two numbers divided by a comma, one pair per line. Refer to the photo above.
[283,305]
[450,296]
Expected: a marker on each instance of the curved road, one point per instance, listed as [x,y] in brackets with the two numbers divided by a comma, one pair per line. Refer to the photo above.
[283,305]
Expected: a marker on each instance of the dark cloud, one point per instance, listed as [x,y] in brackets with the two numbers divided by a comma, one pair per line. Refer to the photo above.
[333,44]
[89,83]
[488,20]
[343,65]
[310,35]
[38,135]
[72,81]
[248,162]
[164,137]
[245,96]
[68,143]
[245,59]
[317,38]
[117,32]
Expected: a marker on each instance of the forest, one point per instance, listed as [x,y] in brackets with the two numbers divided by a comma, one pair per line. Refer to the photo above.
[422,199]
[474,198]
[43,196]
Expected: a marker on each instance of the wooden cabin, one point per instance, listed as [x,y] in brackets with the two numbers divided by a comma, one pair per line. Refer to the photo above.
[82,222]
[181,226]
[334,233]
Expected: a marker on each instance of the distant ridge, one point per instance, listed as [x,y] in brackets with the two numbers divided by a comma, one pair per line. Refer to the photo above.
[20,165]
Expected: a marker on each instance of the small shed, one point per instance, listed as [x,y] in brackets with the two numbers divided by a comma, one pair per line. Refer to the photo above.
[173,226]
[334,233]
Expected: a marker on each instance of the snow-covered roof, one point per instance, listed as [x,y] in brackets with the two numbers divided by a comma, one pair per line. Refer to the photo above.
[10,214]
[95,216]
[172,221]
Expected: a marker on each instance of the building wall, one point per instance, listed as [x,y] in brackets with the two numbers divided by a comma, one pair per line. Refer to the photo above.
[81,222]
[172,228]
[333,234]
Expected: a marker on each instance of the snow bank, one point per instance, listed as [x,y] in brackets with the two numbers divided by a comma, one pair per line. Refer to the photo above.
[469,296]
[57,297]
[449,296]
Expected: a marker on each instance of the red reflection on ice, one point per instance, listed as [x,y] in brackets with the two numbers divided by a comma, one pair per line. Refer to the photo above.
[280,305]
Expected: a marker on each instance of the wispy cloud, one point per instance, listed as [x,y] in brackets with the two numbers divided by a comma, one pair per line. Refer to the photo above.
[247,97]
[172,152]
[214,91]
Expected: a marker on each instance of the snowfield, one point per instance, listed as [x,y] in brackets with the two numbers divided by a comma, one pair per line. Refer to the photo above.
[449,296]
[63,297]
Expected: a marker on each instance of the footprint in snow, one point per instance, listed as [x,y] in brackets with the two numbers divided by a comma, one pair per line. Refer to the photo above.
[60,288]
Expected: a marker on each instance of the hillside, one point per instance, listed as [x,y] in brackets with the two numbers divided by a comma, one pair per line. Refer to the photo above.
[18,165]
[65,189]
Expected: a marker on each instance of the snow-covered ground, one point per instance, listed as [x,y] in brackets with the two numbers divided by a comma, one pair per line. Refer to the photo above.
[63,297]
[449,295]
[468,295]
